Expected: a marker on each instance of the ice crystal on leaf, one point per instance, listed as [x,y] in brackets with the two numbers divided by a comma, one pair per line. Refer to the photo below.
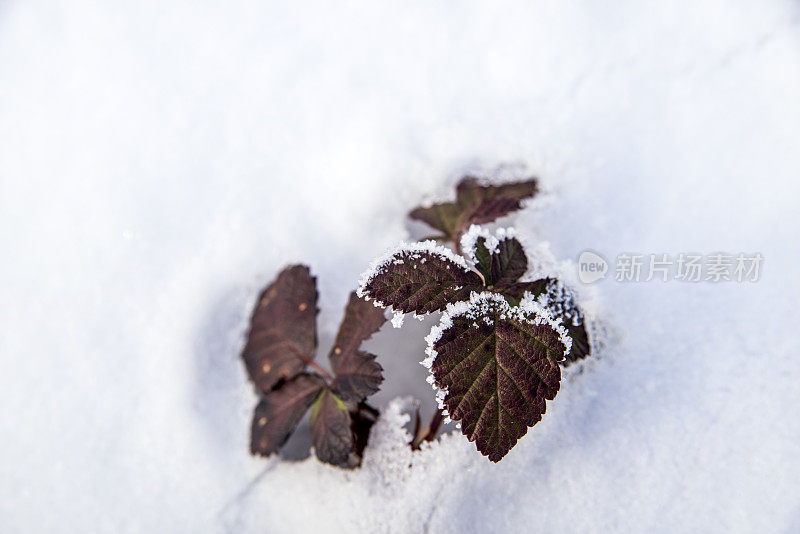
[496,353]
[419,277]
[494,366]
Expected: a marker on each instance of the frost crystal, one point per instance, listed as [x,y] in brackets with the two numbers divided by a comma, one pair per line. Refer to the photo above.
[481,307]
[561,302]
[492,243]
[397,319]
[402,280]
[414,251]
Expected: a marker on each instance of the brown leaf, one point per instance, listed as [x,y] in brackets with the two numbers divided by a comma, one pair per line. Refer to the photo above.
[476,203]
[483,203]
[282,337]
[502,266]
[580,341]
[445,217]
[560,301]
[279,412]
[331,432]
[515,291]
[420,278]
[497,366]
[358,375]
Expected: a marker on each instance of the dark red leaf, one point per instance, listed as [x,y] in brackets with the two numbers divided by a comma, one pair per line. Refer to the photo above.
[279,412]
[476,203]
[580,342]
[502,268]
[483,203]
[497,365]
[421,278]
[331,432]
[445,217]
[361,379]
[503,265]
[560,302]
[514,292]
[282,337]
[358,375]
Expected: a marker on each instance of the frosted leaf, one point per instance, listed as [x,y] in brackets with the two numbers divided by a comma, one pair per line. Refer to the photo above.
[500,259]
[492,240]
[494,376]
[402,280]
[562,303]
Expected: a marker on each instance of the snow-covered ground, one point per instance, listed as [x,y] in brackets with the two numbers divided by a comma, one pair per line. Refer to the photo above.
[161,161]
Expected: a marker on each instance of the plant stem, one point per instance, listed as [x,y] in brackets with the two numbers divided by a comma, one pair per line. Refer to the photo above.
[457,244]
[320,370]
[312,363]
[366,407]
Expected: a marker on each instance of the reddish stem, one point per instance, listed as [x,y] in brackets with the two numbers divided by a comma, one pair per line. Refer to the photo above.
[457,244]
[312,363]
[320,369]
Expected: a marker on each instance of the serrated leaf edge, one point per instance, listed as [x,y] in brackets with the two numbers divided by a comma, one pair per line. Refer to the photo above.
[477,307]
[558,294]
[378,265]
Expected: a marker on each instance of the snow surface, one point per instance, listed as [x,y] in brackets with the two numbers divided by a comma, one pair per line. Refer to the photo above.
[161,161]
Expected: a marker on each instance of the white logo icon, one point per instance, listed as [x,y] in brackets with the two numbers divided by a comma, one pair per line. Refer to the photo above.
[591,267]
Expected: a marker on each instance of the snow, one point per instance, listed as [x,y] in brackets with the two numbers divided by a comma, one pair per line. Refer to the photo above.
[397,319]
[492,243]
[468,241]
[160,162]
